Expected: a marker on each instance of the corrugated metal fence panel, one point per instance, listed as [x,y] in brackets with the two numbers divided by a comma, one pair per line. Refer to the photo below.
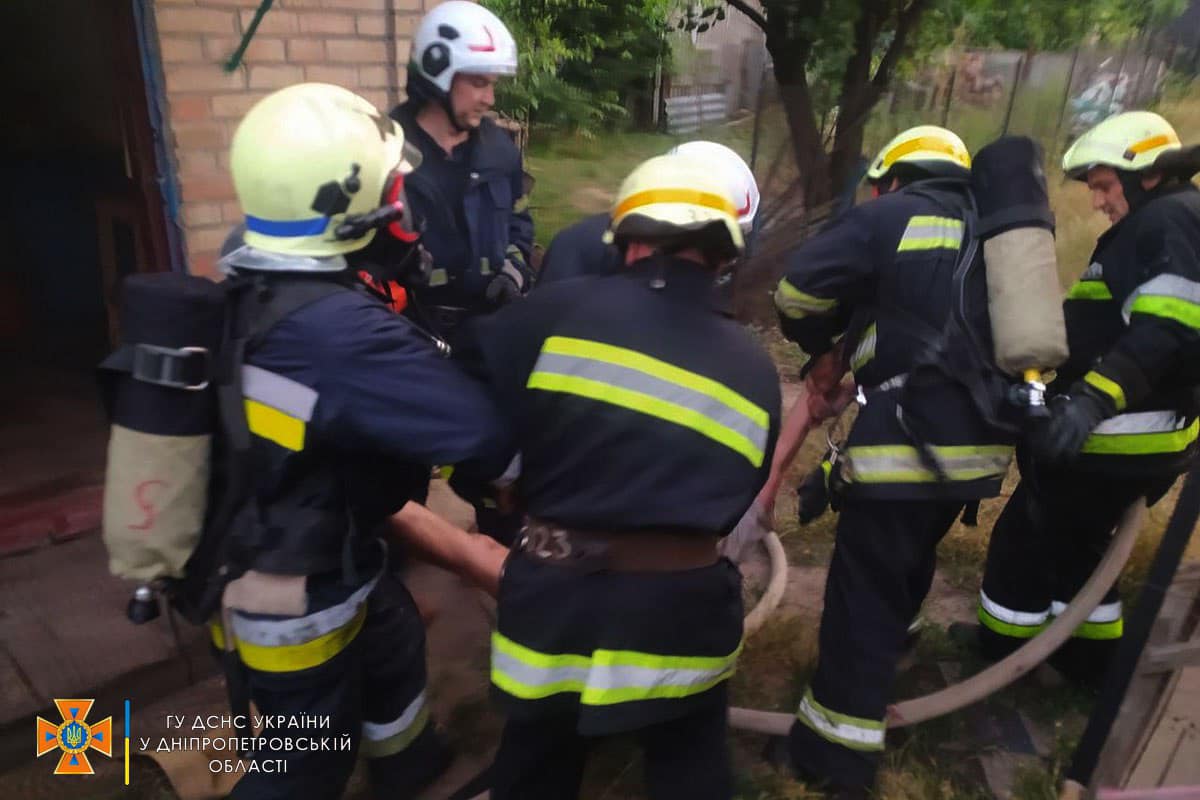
[689,112]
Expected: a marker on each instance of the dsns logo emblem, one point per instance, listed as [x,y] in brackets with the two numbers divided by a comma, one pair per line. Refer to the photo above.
[74,737]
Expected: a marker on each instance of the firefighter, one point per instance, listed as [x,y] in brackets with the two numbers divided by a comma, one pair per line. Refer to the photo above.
[1124,406]
[584,249]
[882,275]
[467,195]
[347,406]
[645,420]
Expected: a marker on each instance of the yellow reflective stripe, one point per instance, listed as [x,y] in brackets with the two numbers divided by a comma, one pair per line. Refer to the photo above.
[1150,143]
[646,404]
[865,350]
[607,677]
[1108,386]
[1089,290]
[856,733]
[623,356]
[1007,628]
[795,304]
[274,425]
[1100,631]
[1141,444]
[1182,311]
[294,657]
[691,197]
[903,463]
[380,740]
[931,233]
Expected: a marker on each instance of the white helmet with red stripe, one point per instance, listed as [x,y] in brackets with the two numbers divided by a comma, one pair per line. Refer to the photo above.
[458,37]
[736,172]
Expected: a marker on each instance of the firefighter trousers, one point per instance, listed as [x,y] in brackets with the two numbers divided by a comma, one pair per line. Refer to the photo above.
[883,564]
[1047,542]
[366,696]
[543,758]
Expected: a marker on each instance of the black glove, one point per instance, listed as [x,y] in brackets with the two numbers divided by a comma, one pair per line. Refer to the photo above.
[813,495]
[502,290]
[1072,418]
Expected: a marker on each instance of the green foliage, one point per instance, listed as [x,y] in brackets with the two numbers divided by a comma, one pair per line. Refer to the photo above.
[581,61]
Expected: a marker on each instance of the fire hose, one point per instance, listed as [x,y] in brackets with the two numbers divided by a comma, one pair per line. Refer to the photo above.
[985,683]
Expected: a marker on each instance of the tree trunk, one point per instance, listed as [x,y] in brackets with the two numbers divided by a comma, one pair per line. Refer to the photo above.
[807,147]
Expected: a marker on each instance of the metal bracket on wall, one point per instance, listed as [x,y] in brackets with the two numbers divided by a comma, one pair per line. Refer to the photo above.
[236,58]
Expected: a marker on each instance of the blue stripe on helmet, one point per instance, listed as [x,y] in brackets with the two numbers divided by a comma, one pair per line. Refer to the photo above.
[287,228]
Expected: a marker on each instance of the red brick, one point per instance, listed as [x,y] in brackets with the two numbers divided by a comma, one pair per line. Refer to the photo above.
[403,51]
[406,25]
[189,108]
[356,51]
[200,135]
[373,77]
[223,160]
[275,77]
[301,4]
[203,79]
[204,263]
[217,186]
[274,21]
[364,5]
[234,106]
[371,24]
[208,237]
[377,97]
[305,50]
[176,19]
[174,48]
[320,22]
[197,214]
[231,212]
[411,5]
[261,48]
[229,3]
[324,73]
[198,161]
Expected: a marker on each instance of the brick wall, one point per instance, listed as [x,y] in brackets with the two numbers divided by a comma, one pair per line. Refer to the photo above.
[336,41]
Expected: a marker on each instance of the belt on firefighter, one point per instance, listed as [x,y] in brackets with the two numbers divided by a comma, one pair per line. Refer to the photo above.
[617,551]
[446,318]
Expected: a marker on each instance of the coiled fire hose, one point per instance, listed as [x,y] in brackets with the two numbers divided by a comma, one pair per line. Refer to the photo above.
[979,686]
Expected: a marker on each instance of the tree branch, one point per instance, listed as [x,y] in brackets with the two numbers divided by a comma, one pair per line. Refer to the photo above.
[906,22]
[755,17]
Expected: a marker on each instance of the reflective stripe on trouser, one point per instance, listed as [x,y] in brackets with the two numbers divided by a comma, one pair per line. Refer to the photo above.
[381,739]
[843,729]
[931,233]
[795,304]
[1105,622]
[1009,621]
[292,644]
[903,463]
[1168,296]
[606,677]
[277,408]
[638,382]
[1143,433]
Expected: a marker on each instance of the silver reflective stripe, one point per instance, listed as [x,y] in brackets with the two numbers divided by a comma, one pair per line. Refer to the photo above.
[1143,422]
[797,304]
[289,396]
[865,350]
[1094,272]
[569,675]
[1025,619]
[838,728]
[644,383]
[1174,286]
[1105,612]
[930,233]
[378,731]
[902,463]
[298,630]
[627,676]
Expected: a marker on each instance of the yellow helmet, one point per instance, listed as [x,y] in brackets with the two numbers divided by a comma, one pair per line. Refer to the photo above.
[1132,142]
[304,159]
[929,148]
[672,195]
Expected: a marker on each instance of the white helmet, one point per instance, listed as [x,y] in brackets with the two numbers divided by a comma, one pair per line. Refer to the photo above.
[735,171]
[458,36]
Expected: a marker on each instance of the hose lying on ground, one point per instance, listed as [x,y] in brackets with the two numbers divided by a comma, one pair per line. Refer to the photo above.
[767,604]
[1002,673]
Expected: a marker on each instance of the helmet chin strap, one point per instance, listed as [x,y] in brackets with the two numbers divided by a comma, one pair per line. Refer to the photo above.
[1131,185]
